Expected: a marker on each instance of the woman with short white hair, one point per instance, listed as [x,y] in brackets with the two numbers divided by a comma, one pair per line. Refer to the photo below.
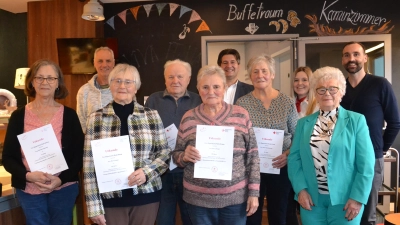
[271,109]
[217,201]
[331,161]
[150,152]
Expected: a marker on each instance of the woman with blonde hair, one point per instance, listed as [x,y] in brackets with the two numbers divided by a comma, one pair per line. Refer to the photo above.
[305,102]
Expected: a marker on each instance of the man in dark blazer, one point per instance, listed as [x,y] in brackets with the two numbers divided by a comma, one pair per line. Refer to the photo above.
[229,61]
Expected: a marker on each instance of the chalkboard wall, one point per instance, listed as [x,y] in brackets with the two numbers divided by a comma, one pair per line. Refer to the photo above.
[13,51]
[149,33]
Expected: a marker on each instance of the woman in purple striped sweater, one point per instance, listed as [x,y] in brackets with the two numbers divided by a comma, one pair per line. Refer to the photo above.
[212,201]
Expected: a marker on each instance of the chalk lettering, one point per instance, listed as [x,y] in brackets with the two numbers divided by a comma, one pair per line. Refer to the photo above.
[249,14]
[352,17]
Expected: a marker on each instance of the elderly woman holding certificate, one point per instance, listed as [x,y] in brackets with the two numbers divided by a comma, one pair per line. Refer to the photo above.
[213,196]
[331,163]
[148,150]
[45,198]
[271,109]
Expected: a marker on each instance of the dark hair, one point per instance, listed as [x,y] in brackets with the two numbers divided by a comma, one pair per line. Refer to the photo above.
[357,43]
[61,91]
[228,51]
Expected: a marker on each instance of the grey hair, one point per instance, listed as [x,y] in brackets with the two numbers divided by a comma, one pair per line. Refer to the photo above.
[209,70]
[125,68]
[261,58]
[180,62]
[105,49]
[328,73]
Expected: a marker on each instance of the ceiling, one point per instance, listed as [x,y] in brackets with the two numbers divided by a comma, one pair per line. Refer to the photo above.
[21,6]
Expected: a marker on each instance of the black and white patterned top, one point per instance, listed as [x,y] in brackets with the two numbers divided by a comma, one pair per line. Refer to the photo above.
[320,143]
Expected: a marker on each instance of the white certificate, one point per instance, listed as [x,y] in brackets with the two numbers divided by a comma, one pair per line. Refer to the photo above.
[42,151]
[215,144]
[171,132]
[113,163]
[269,142]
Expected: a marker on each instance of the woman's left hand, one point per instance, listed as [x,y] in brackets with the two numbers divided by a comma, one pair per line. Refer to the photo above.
[352,208]
[54,183]
[252,205]
[137,178]
[280,161]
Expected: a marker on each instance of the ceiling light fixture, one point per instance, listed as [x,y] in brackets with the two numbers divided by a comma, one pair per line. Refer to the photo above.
[93,11]
[375,48]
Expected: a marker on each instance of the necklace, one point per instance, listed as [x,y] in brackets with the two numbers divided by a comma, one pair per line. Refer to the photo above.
[45,114]
[326,126]
[327,121]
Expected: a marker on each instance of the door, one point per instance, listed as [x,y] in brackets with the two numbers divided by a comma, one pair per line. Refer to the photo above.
[327,51]
[280,47]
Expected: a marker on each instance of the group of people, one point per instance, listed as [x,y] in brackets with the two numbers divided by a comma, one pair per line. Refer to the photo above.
[330,162]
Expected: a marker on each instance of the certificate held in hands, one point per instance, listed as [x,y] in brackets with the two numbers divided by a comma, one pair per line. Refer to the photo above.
[215,144]
[270,142]
[113,163]
[171,132]
[42,151]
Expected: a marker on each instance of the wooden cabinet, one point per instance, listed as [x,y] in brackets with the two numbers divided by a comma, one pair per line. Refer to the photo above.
[10,211]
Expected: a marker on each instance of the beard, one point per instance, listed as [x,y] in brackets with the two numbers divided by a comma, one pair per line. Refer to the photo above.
[350,70]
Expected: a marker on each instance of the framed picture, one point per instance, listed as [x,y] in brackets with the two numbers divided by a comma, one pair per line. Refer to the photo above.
[76,55]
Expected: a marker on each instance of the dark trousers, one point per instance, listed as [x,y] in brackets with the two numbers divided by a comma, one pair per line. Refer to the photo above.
[171,194]
[133,215]
[277,188]
[369,215]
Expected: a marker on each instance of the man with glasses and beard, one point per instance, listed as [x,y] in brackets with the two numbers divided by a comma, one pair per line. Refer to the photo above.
[373,97]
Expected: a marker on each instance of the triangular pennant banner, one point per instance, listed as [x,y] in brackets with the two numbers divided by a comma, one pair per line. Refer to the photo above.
[134,11]
[111,22]
[172,7]
[122,15]
[203,27]
[148,8]
[184,9]
[160,7]
[194,17]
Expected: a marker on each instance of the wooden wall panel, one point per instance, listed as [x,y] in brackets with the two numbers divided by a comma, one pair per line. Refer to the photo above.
[73,83]
[49,20]
[14,216]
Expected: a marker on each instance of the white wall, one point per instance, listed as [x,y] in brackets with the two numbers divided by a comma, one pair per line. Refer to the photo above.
[249,49]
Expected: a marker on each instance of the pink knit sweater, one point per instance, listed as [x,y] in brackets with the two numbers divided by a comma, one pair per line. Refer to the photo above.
[245,166]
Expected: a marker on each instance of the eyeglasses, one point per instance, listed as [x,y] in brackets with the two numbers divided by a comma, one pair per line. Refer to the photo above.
[118,82]
[332,90]
[49,80]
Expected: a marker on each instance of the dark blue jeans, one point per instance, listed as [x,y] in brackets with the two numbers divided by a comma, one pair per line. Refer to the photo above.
[171,194]
[277,188]
[49,209]
[229,215]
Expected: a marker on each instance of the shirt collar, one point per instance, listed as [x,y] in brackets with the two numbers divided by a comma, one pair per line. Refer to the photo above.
[168,94]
